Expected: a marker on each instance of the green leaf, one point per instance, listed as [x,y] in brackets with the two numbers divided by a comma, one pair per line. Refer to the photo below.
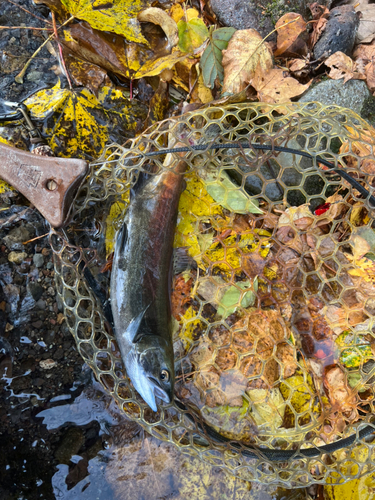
[223,191]
[191,34]
[118,16]
[232,300]
[211,60]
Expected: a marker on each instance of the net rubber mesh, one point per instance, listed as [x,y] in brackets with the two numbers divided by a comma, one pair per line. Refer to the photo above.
[273,326]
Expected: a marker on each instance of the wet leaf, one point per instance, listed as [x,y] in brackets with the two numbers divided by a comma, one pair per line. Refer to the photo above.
[290,27]
[118,16]
[113,219]
[212,57]
[242,294]
[229,196]
[160,17]
[276,86]
[268,407]
[158,105]
[85,74]
[156,66]
[192,32]
[78,124]
[246,50]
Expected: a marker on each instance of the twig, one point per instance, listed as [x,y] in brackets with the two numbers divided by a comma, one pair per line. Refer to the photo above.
[24,28]
[23,8]
[37,238]
[60,51]
[21,74]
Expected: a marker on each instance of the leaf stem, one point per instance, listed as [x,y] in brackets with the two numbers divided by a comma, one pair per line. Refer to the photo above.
[60,51]
[21,74]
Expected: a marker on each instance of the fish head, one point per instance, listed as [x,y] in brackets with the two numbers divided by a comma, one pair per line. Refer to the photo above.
[150,367]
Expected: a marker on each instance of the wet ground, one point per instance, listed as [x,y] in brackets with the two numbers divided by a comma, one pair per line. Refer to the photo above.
[60,435]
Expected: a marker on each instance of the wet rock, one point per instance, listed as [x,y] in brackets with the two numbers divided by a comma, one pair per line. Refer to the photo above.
[38,260]
[242,14]
[15,238]
[353,94]
[34,76]
[339,34]
[40,304]
[17,257]
[49,265]
[70,445]
[47,364]
[36,290]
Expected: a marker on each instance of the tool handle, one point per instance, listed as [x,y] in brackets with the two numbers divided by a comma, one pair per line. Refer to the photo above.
[49,183]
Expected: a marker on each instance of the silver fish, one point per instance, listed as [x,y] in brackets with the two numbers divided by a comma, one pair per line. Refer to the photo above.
[141,283]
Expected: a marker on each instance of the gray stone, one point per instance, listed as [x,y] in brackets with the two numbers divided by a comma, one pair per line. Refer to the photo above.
[38,259]
[260,15]
[35,289]
[339,33]
[15,238]
[34,76]
[353,94]
[17,257]
[49,265]
[41,304]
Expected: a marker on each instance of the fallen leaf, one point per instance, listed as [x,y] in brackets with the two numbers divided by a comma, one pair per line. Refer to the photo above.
[158,105]
[242,294]
[227,194]
[320,14]
[180,295]
[339,392]
[289,28]
[118,16]
[85,74]
[160,17]
[276,86]
[366,28]
[192,32]
[246,51]
[212,57]
[343,66]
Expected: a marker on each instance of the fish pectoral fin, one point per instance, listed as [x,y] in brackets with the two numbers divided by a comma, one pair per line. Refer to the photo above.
[121,240]
[132,331]
[182,261]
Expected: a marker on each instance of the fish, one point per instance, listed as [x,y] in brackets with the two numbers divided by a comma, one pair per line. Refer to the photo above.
[140,285]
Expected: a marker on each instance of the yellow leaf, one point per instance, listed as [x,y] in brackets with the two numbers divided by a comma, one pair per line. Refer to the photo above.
[177,12]
[69,121]
[118,16]
[191,33]
[156,66]
[112,222]
[245,51]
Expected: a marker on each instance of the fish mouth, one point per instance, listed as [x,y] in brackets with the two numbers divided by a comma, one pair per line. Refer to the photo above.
[159,391]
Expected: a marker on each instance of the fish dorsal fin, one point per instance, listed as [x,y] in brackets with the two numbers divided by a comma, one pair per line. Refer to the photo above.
[132,332]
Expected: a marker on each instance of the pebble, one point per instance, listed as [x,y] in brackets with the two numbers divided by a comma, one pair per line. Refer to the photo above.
[15,238]
[38,260]
[17,257]
[47,364]
[34,76]
[40,304]
[50,265]
[36,290]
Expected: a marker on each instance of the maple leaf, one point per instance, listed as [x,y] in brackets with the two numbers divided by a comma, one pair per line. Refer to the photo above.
[246,51]
[118,16]
[276,86]
[289,28]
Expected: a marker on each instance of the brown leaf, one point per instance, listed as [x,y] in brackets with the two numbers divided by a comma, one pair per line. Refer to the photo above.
[342,66]
[276,86]
[320,14]
[339,392]
[290,27]
[246,51]
[85,74]
[366,28]
[180,295]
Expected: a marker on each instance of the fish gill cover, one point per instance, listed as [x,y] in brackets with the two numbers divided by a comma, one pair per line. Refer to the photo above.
[273,328]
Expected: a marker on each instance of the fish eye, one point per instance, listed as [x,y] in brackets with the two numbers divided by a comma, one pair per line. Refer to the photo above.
[164,375]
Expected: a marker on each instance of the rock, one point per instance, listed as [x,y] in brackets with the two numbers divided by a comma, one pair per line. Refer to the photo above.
[34,76]
[40,304]
[242,14]
[71,443]
[15,238]
[36,290]
[353,94]
[38,259]
[260,15]
[49,265]
[17,257]
[339,34]
[47,364]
